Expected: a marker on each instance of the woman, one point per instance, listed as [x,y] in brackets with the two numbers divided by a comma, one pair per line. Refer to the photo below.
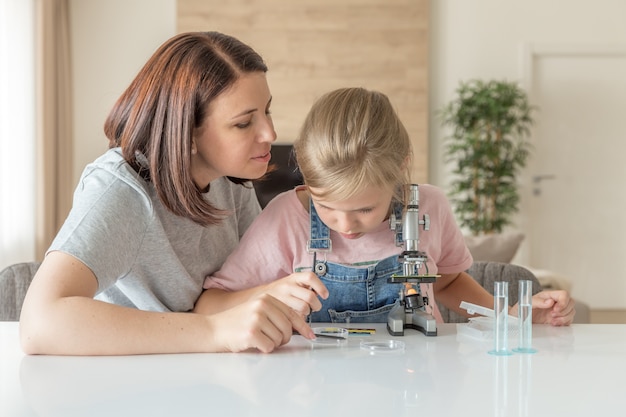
[162,209]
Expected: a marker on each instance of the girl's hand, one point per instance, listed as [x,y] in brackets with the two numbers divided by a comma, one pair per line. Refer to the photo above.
[551,307]
[300,291]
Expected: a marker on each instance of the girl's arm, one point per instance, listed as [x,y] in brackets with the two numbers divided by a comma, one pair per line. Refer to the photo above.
[451,289]
[549,307]
[299,291]
[60,316]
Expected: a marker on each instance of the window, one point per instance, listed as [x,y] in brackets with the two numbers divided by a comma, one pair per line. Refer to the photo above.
[17,131]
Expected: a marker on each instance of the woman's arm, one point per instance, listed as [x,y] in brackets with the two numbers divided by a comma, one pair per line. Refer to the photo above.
[60,316]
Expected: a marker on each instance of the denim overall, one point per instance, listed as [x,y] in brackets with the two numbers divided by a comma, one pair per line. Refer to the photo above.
[358,294]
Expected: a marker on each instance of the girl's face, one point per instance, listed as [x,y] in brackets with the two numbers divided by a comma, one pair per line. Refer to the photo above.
[237,134]
[357,215]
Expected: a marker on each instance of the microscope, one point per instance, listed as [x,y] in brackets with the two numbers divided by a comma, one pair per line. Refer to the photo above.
[410,311]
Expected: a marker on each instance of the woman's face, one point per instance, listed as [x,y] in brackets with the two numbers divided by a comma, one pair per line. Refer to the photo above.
[237,134]
[357,215]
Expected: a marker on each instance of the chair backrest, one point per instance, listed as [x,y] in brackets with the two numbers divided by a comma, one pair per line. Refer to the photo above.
[486,273]
[284,175]
[14,282]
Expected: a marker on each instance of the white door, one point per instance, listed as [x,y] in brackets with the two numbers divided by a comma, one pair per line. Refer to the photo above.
[574,210]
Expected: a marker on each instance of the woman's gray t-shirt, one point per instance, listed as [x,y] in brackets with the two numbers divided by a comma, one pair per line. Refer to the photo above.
[142,254]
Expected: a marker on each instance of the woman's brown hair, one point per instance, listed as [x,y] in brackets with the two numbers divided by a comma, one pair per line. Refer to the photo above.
[155,118]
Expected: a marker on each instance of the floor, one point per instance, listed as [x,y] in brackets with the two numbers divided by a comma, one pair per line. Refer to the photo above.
[608,316]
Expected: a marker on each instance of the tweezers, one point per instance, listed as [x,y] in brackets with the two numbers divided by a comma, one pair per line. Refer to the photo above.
[325,336]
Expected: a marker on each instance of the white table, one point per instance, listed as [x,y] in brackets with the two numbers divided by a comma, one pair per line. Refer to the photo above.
[578,371]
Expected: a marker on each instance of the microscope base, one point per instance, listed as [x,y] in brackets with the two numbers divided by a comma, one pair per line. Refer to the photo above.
[400,319]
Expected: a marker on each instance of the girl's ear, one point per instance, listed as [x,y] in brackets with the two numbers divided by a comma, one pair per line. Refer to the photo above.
[406,164]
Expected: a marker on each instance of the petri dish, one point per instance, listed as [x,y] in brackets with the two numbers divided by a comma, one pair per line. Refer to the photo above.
[330,335]
[383,346]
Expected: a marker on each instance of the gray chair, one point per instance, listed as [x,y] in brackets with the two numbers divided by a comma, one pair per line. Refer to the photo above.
[14,282]
[486,273]
[283,174]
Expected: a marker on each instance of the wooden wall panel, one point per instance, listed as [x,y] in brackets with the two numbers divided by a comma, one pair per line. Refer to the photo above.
[314,46]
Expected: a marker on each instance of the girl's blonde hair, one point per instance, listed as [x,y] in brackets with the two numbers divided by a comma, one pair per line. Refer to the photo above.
[352,138]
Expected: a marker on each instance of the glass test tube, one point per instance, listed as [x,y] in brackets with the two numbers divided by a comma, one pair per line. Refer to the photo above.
[501,314]
[525,317]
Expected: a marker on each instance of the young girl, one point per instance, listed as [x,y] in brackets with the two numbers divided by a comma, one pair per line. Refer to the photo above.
[161,210]
[354,155]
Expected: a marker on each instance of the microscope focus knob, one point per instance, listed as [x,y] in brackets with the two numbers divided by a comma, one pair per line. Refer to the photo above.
[425,222]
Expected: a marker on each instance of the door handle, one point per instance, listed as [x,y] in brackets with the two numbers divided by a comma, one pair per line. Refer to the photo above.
[538,178]
[537,181]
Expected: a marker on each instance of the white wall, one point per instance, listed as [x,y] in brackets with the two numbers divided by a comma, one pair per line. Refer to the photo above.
[482,39]
[111,40]
[469,39]
[485,39]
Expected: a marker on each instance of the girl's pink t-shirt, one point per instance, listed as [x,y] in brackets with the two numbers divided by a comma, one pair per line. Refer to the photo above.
[274,246]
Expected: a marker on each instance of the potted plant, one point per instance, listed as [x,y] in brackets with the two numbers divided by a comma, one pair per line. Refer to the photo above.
[489,146]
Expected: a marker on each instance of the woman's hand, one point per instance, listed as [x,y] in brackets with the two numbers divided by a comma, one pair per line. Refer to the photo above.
[263,323]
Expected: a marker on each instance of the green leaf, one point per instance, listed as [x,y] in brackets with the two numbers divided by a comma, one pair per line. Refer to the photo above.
[488,146]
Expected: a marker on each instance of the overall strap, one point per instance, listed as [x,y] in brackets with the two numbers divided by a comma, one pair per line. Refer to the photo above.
[320,233]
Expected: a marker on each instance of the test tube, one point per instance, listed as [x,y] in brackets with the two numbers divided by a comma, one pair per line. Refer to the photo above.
[501,314]
[525,317]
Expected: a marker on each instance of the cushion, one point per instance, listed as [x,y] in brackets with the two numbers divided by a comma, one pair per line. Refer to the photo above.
[14,282]
[499,247]
[283,175]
